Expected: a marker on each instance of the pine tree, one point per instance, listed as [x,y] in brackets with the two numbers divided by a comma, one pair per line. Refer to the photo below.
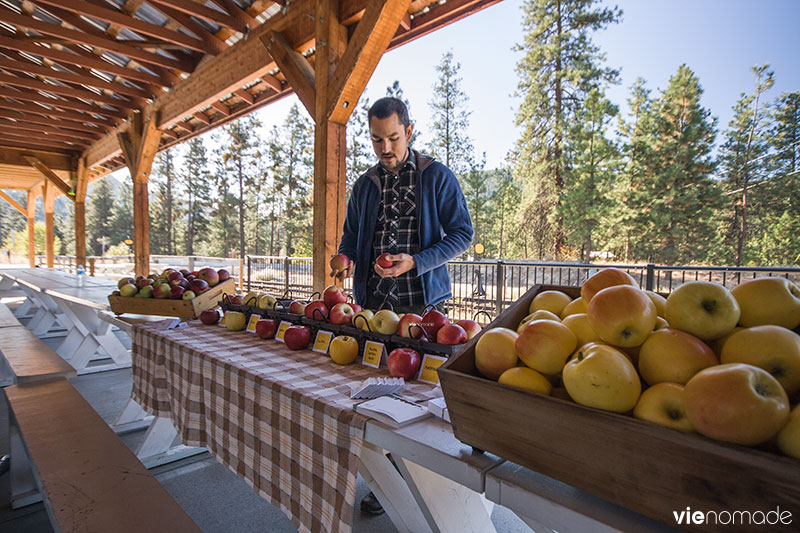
[450,143]
[395,91]
[195,180]
[359,147]
[476,184]
[239,153]
[559,68]
[121,224]
[98,215]
[593,161]
[11,220]
[164,208]
[681,193]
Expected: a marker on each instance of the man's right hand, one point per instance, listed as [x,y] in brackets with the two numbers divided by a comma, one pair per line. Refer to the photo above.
[341,267]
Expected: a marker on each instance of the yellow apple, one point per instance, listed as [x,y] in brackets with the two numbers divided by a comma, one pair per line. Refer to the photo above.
[521,377]
[737,403]
[717,344]
[659,301]
[789,436]
[574,307]
[663,404]
[608,277]
[343,350]
[545,345]
[362,318]
[773,348]
[495,352]
[385,321]
[703,308]
[600,376]
[235,320]
[768,301]
[622,315]
[541,314]
[553,301]
[661,323]
[673,356]
[251,298]
[579,324]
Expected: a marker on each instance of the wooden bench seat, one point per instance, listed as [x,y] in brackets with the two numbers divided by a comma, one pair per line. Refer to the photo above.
[24,358]
[88,479]
[7,318]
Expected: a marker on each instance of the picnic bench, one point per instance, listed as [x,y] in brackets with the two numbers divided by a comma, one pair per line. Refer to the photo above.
[88,479]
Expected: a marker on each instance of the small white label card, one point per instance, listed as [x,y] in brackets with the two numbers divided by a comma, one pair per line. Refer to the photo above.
[428,372]
[251,324]
[282,330]
[322,341]
[374,353]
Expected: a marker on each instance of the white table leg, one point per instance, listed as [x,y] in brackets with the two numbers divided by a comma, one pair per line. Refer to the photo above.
[157,448]
[392,492]
[24,309]
[131,418]
[448,505]
[6,283]
[24,490]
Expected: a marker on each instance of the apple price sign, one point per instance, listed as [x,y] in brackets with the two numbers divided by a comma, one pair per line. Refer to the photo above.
[282,330]
[428,372]
[322,341]
[374,353]
[251,325]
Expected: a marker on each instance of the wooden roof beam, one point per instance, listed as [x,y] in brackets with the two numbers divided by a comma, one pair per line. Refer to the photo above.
[90,133]
[31,83]
[295,67]
[34,144]
[206,13]
[34,96]
[13,203]
[241,16]
[11,133]
[186,21]
[91,39]
[76,137]
[54,160]
[51,177]
[95,10]
[71,116]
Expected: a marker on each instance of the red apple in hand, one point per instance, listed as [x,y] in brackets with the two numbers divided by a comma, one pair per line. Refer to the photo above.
[297,337]
[316,310]
[451,334]
[341,313]
[266,328]
[333,295]
[340,262]
[404,363]
[384,261]
[432,322]
[210,316]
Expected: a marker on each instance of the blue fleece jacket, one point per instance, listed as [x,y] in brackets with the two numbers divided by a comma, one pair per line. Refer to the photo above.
[445,227]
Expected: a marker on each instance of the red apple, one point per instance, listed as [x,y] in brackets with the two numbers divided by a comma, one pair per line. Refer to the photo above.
[470,326]
[179,282]
[143,282]
[235,299]
[357,308]
[266,328]
[451,334]
[341,313]
[432,322]
[404,363]
[209,275]
[162,290]
[174,275]
[125,281]
[223,275]
[340,262]
[404,327]
[297,307]
[199,286]
[190,278]
[384,261]
[297,337]
[316,310]
[176,292]
[210,316]
[333,295]
[184,272]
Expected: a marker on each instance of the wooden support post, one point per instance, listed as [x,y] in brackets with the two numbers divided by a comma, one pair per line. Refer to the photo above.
[31,215]
[139,146]
[51,177]
[82,176]
[49,198]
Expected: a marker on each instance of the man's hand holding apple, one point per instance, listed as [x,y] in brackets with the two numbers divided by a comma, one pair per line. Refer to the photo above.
[341,267]
[401,263]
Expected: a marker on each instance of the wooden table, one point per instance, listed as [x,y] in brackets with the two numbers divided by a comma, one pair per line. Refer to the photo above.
[63,300]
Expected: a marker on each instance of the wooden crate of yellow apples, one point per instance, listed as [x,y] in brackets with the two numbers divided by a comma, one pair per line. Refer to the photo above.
[652,403]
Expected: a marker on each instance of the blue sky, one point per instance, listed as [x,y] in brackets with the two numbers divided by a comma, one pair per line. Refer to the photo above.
[719,39]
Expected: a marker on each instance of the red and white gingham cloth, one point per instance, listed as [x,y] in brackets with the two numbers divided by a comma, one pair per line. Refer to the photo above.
[281,419]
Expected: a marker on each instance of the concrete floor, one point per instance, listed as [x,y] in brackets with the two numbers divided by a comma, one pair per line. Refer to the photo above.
[216,498]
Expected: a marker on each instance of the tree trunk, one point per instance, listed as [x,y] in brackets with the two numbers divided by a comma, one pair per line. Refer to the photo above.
[558,237]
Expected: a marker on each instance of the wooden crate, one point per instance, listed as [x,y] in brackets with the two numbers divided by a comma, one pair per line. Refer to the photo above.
[649,469]
[179,308]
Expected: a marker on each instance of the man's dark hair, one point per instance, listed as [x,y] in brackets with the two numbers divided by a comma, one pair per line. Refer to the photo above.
[386,107]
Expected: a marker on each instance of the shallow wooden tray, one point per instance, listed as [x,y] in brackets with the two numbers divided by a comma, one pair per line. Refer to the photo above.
[179,308]
[643,467]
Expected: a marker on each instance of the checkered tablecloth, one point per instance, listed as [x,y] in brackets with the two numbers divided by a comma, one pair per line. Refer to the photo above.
[281,419]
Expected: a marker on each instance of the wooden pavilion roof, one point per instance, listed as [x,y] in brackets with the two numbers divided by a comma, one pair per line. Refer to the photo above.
[74,74]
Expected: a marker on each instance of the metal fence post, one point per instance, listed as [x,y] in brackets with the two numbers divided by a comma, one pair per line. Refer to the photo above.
[286,275]
[651,277]
[499,284]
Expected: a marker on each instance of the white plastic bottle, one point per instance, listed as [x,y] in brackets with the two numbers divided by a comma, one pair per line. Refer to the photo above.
[81,272]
